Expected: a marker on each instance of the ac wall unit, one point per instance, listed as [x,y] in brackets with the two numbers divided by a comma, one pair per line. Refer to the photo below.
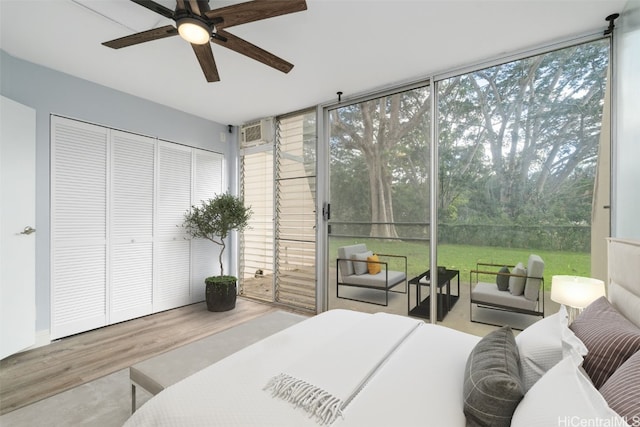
[257,132]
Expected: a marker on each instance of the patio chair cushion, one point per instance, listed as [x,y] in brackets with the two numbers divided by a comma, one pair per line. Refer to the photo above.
[489,293]
[361,267]
[373,265]
[345,253]
[516,284]
[501,280]
[376,280]
[535,269]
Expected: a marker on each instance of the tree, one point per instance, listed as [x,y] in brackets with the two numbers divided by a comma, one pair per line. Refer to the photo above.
[532,124]
[377,129]
[517,144]
[215,219]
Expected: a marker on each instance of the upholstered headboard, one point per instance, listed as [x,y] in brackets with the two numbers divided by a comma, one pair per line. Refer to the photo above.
[623,284]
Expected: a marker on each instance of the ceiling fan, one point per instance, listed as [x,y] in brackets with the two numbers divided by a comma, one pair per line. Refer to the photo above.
[198,24]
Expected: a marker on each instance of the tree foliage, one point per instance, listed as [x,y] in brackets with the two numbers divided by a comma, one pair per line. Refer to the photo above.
[215,218]
[378,134]
[517,144]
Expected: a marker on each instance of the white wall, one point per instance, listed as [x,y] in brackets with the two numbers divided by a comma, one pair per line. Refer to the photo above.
[51,92]
[626,163]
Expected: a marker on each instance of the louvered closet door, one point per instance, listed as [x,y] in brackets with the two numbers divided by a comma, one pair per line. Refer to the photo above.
[78,226]
[131,243]
[172,249]
[208,181]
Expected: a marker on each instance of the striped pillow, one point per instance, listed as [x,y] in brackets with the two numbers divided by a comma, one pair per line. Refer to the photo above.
[610,338]
[622,389]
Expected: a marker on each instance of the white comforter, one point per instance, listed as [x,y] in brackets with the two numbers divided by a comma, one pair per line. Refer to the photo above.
[422,380]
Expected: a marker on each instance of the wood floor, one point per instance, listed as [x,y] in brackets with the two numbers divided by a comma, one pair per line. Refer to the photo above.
[36,374]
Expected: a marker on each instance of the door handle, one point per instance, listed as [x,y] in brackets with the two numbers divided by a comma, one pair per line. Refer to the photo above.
[28,230]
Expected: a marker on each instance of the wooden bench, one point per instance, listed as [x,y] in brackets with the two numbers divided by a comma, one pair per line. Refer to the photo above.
[159,372]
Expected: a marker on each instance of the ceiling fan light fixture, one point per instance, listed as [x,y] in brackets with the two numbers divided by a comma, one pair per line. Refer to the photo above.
[194,30]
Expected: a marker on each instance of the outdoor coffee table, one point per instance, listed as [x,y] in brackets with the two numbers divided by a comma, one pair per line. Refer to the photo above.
[445,300]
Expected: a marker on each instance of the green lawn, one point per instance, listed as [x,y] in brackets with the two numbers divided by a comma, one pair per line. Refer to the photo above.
[464,258]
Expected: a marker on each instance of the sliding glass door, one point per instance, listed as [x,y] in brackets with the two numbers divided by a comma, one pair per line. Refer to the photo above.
[379,186]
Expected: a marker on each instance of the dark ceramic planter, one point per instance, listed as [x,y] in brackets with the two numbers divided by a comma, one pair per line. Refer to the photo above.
[220,293]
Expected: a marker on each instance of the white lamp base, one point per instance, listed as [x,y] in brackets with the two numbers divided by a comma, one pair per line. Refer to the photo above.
[572,313]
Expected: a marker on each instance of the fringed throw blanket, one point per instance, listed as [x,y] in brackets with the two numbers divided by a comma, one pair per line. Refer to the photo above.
[324,381]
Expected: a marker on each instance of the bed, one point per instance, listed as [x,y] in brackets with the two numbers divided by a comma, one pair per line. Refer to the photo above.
[346,368]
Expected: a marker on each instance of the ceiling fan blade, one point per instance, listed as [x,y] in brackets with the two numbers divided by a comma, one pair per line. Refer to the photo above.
[239,45]
[157,8]
[207,63]
[254,11]
[145,36]
[194,7]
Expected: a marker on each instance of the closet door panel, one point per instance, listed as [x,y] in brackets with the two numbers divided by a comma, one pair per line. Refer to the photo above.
[174,190]
[208,175]
[79,298]
[208,181]
[171,247]
[131,243]
[131,281]
[78,226]
[172,274]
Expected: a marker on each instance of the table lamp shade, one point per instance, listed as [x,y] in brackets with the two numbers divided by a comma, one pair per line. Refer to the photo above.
[576,291]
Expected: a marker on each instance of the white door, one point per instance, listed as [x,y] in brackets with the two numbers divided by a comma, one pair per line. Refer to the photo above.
[171,251]
[78,226]
[17,212]
[131,226]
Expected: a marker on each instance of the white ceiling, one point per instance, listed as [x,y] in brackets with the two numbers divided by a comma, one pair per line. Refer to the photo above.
[353,46]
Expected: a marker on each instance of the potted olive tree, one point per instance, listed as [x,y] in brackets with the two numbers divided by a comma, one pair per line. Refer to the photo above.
[214,220]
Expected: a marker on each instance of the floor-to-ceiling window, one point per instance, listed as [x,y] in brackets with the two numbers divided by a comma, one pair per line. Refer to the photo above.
[518,150]
[379,185]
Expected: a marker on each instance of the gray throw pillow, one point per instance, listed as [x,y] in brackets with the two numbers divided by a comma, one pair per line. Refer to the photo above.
[361,267]
[502,280]
[492,385]
[516,284]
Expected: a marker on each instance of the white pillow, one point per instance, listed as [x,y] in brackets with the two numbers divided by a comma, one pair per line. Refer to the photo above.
[544,344]
[564,396]
[361,267]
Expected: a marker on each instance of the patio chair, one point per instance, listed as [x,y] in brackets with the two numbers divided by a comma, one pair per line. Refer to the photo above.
[360,268]
[518,290]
